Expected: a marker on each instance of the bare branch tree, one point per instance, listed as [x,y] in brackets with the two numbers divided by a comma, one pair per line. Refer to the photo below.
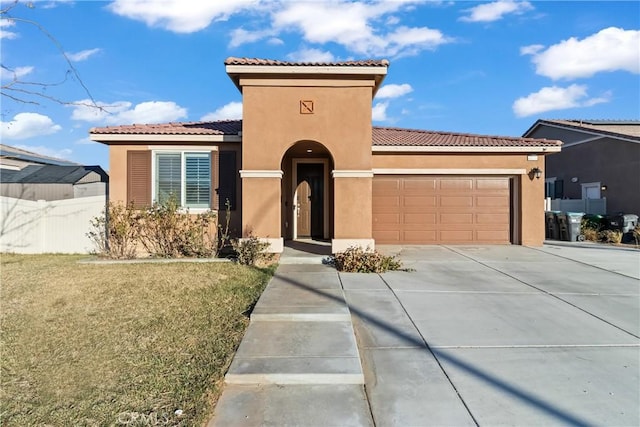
[29,92]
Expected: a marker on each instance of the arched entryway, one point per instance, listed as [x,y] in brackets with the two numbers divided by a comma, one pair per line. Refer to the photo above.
[307,192]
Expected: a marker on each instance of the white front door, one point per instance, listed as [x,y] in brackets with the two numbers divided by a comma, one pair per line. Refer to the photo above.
[591,190]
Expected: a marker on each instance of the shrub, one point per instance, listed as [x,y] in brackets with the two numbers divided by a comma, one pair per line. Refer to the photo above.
[589,232]
[610,236]
[163,230]
[167,232]
[115,232]
[636,234]
[251,251]
[357,260]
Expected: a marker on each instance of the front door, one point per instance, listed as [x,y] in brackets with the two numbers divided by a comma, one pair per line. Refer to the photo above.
[309,200]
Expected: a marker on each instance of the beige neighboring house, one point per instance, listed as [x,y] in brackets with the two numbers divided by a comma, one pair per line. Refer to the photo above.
[30,176]
[306,163]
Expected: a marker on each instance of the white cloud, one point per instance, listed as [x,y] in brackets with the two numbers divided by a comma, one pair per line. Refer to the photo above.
[240,36]
[85,141]
[555,98]
[610,49]
[489,12]
[28,125]
[531,49]
[394,91]
[61,154]
[180,16]
[379,112]
[121,112]
[16,73]
[230,111]
[311,55]
[4,34]
[83,55]
[356,26]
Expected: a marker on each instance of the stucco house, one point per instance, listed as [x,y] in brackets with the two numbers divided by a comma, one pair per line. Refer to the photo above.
[599,159]
[306,162]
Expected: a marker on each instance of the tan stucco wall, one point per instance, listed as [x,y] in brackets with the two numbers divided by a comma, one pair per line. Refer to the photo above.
[529,199]
[272,123]
[118,172]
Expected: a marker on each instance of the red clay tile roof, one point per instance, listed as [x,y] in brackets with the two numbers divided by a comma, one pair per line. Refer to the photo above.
[382,136]
[258,61]
[223,127]
[390,137]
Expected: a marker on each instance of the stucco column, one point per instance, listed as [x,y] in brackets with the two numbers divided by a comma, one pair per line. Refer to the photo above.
[532,210]
[352,209]
[261,206]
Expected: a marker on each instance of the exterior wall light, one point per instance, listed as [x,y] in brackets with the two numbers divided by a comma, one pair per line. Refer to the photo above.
[535,172]
[603,188]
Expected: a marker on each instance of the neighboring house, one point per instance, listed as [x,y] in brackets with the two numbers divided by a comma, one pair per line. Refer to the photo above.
[53,182]
[305,162]
[31,176]
[47,204]
[14,158]
[599,159]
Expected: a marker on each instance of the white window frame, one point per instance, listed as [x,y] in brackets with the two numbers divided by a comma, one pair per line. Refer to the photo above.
[183,195]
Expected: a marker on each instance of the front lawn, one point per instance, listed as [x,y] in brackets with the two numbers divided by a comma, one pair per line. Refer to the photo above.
[116,344]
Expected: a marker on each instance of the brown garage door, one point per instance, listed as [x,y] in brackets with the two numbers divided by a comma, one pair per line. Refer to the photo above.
[430,209]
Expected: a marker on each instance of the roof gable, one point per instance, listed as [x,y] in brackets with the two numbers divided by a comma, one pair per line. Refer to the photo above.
[625,130]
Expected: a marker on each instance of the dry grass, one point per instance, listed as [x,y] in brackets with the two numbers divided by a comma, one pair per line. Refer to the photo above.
[87,344]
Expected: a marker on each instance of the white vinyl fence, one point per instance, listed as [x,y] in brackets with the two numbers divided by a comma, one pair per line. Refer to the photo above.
[59,226]
[590,206]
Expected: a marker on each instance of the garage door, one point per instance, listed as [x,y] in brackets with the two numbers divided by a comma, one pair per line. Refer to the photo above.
[430,209]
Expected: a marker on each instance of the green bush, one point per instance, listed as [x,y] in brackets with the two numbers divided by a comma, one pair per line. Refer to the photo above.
[251,251]
[357,260]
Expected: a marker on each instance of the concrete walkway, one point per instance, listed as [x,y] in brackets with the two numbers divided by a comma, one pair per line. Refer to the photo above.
[500,335]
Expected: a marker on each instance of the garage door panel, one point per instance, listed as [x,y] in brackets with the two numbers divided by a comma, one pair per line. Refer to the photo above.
[419,218]
[494,236]
[457,201]
[419,201]
[456,236]
[493,218]
[418,186]
[456,184]
[428,209]
[419,237]
[492,184]
[387,218]
[456,218]
[492,201]
[386,203]
[382,186]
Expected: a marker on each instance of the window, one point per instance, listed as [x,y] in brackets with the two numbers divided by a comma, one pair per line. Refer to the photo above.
[185,176]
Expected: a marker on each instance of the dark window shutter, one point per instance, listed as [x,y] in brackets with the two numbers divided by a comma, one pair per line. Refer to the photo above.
[215,181]
[139,178]
[559,189]
[228,174]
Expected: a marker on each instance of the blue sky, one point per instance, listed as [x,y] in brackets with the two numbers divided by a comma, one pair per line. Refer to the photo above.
[476,67]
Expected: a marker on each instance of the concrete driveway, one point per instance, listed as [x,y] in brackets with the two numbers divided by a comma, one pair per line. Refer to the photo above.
[501,335]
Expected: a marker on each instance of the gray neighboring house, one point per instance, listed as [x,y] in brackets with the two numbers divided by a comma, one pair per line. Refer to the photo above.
[30,176]
[599,159]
